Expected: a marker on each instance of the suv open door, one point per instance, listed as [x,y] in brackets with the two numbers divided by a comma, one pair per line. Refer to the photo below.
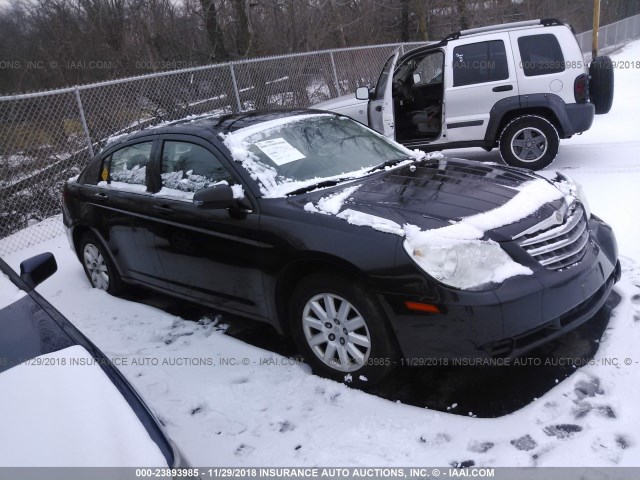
[381,117]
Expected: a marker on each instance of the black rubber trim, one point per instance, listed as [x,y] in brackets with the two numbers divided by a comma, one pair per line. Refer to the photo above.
[570,121]
[473,123]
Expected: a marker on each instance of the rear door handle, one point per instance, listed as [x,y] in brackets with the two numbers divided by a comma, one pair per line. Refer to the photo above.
[503,88]
[102,197]
[163,209]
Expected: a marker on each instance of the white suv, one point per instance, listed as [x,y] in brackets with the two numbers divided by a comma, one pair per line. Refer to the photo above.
[520,86]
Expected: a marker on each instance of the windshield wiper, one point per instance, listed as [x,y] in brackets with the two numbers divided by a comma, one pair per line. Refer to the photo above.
[322,184]
[389,163]
[335,181]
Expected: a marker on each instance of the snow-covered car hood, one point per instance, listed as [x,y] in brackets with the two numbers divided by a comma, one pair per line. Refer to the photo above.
[62,410]
[440,192]
[9,293]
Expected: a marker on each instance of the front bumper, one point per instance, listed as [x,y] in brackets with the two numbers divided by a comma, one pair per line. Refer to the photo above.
[518,316]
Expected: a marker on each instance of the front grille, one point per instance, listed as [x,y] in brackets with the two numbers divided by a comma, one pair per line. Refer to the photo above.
[558,246]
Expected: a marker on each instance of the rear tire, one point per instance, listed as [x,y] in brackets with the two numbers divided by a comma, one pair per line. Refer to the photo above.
[601,84]
[98,266]
[529,141]
[340,329]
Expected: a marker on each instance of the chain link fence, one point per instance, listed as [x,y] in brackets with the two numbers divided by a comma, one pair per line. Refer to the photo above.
[47,137]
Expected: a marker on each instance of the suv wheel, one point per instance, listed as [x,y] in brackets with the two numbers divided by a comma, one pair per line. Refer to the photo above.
[601,84]
[98,265]
[529,141]
[339,328]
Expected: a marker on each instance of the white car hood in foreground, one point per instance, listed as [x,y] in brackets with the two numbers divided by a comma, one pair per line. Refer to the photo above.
[55,414]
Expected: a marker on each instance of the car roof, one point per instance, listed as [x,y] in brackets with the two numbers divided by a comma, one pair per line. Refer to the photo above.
[210,125]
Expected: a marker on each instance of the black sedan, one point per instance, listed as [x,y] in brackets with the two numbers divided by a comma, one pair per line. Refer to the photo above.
[369,254]
[64,403]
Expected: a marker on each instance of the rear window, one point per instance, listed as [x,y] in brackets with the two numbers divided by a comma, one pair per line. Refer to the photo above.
[479,63]
[540,55]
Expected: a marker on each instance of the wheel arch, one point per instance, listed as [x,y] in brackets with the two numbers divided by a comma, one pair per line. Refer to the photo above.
[78,231]
[549,106]
[543,112]
[300,268]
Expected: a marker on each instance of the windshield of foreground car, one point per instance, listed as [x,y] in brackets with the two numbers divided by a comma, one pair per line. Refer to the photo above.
[294,152]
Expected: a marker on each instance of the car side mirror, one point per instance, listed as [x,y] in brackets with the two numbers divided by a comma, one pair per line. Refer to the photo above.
[362,93]
[216,197]
[35,270]
[416,78]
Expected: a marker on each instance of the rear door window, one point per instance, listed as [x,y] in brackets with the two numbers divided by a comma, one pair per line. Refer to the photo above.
[479,63]
[540,55]
[128,165]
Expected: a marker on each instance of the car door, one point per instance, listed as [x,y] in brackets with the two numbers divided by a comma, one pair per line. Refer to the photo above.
[482,73]
[380,109]
[116,201]
[209,255]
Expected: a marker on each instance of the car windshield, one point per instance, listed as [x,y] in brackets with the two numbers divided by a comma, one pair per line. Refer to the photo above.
[291,153]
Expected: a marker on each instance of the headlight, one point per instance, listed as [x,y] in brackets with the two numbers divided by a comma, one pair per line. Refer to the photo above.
[574,189]
[465,264]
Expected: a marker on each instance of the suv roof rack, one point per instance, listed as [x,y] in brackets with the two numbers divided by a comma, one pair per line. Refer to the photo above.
[547,22]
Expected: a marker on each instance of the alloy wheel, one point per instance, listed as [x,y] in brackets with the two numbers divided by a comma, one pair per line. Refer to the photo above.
[96,266]
[336,332]
[529,144]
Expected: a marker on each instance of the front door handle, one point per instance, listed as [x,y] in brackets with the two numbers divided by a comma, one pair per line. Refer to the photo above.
[163,209]
[503,88]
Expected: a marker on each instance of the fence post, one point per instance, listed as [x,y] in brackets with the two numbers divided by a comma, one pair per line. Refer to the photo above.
[236,92]
[626,29]
[335,73]
[83,120]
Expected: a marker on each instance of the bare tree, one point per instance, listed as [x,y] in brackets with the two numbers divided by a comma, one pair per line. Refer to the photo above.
[214,31]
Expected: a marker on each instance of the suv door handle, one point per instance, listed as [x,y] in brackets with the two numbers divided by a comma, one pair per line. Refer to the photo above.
[163,209]
[503,88]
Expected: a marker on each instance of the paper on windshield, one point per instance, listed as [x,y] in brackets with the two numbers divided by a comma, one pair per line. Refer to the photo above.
[279,151]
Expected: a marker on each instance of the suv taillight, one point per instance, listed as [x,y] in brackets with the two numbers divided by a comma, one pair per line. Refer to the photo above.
[581,88]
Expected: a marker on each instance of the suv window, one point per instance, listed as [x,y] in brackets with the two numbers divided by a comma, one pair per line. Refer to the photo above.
[430,69]
[479,62]
[128,165]
[189,167]
[540,54]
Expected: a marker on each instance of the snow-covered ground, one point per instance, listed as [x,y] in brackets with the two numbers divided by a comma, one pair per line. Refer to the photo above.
[262,409]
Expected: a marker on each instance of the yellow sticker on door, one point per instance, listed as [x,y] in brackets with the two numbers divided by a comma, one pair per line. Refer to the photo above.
[105,174]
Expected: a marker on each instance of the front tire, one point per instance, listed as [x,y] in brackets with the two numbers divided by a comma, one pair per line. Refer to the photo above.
[530,142]
[98,266]
[339,328]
